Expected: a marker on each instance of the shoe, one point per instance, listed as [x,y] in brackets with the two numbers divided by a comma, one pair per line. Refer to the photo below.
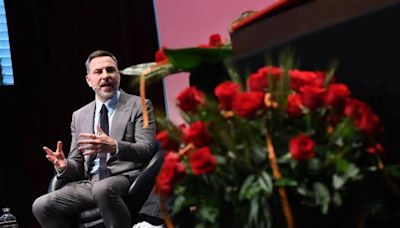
[145,224]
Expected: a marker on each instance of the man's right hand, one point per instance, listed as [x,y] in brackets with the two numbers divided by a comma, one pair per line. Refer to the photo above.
[57,158]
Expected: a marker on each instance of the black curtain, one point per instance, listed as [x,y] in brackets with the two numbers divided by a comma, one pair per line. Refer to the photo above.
[50,41]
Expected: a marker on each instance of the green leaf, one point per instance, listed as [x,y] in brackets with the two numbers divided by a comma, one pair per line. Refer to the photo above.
[322,196]
[337,199]
[338,181]
[286,60]
[343,131]
[188,59]
[347,169]
[137,70]
[221,160]
[303,190]
[314,165]
[157,72]
[253,215]
[246,186]
[265,181]
[233,74]
[352,171]
[209,213]
[331,72]
[341,165]
[200,225]
[285,182]
[393,170]
[179,204]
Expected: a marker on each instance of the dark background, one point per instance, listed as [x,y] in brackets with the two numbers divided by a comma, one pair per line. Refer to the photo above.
[50,41]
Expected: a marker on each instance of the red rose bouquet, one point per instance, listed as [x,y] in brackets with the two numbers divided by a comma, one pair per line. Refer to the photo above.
[282,138]
[270,149]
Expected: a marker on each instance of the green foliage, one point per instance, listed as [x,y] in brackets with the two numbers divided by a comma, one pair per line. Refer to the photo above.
[189,59]
[183,59]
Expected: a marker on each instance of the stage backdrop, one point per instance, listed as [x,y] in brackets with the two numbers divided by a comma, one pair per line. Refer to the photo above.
[183,23]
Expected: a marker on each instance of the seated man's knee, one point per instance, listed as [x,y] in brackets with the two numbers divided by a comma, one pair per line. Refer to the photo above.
[39,206]
[102,191]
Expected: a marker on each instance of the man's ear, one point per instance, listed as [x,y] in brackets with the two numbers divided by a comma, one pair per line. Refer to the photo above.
[88,80]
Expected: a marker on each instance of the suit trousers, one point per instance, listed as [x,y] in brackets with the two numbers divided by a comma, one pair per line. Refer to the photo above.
[59,209]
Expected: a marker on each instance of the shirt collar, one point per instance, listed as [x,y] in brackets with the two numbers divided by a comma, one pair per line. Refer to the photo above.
[110,103]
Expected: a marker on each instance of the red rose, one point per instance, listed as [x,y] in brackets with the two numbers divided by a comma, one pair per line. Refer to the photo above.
[197,134]
[247,104]
[202,161]
[259,80]
[215,40]
[336,95]
[301,147]
[375,149]
[353,108]
[171,172]
[299,79]
[271,70]
[320,78]
[368,123]
[225,92]
[160,55]
[294,105]
[189,99]
[312,97]
[364,118]
[166,142]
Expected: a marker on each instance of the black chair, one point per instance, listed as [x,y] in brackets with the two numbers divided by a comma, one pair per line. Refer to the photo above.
[137,195]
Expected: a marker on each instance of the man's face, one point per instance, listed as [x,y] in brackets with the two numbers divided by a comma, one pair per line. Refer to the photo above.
[103,77]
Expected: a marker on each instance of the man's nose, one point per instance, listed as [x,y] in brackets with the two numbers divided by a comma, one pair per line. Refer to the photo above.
[105,74]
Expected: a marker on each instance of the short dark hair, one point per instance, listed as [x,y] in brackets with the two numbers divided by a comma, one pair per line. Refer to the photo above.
[99,53]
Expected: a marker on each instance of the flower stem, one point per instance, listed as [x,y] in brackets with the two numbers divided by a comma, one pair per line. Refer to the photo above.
[380,163]
[188,148]
[167,220]
[277,174]
[143,97]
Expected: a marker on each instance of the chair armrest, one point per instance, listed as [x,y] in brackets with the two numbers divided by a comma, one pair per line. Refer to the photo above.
[144,183]
[56,183]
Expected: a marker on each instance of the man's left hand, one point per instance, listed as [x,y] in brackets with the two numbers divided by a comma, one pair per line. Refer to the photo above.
[93,144]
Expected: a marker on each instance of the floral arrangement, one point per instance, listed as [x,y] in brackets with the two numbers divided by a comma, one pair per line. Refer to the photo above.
[281,137]
[169,61]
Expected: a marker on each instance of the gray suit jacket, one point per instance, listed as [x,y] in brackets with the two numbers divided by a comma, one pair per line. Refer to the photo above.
[136,145]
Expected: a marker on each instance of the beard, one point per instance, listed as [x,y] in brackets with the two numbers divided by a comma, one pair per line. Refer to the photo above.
[105,95]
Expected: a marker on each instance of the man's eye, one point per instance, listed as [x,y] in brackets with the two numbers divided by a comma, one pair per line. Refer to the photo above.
[97,72]
[111,69]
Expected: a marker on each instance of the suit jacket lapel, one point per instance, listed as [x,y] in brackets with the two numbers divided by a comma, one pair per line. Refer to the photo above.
[88,119]
[120,117]
[87,127]
[120,120]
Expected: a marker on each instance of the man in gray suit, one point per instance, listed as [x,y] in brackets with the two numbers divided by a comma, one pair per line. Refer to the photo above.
[109,147]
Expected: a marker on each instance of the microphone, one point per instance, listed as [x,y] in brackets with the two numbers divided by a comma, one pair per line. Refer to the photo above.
[96,87]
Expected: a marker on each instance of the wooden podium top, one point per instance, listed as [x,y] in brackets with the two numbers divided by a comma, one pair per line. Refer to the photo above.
[286,20]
